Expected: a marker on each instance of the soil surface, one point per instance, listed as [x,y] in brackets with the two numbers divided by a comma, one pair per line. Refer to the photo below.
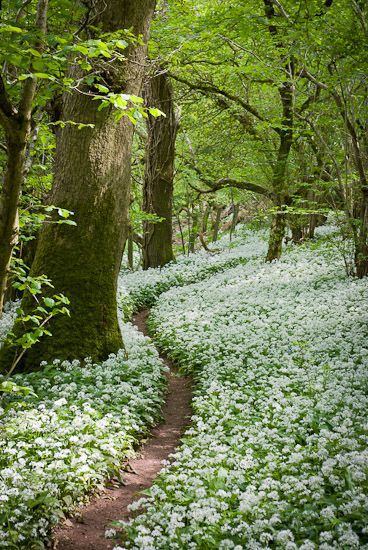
[87,530]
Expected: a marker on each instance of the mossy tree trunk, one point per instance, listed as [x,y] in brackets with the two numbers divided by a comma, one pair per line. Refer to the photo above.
[92,179]
[159,173]
[297,223]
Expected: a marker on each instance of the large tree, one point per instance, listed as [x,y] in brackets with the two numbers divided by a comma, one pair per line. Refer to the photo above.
[92,179]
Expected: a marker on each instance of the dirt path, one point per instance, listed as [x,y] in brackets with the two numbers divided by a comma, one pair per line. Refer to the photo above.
[87,531]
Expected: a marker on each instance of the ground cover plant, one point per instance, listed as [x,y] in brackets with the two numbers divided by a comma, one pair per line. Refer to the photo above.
[76,426]
[141,289]
[276,456]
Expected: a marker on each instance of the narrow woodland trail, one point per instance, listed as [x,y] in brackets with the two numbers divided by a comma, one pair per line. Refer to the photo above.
[86,532]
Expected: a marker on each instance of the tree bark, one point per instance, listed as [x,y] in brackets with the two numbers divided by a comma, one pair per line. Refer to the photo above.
[92,179]
[361,244]
[159,173]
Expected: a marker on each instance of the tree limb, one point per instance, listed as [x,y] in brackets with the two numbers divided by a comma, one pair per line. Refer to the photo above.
[225,183]
[7,110]
[30,84]
[207,88]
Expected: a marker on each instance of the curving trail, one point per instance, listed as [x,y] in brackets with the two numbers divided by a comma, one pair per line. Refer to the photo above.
[88,530]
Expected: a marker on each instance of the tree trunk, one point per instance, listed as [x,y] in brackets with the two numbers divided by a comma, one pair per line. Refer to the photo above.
[234,220]
[16,149]
[130,249]
[277,233]
[361,241]
[206,215]
[17,124]
[296,224]
[159,173]
[181,234]
[194,230]
[216,224]
[279,176]
[361,244]
[92,179]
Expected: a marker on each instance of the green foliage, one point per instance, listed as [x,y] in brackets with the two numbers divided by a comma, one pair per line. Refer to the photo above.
[36,214]
[30,326]
[8,386]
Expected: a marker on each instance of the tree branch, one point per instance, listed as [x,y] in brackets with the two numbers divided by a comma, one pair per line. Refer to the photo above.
[225,183]
[30,84]
[309,76]
[212,89]
[7,110]
[282,10]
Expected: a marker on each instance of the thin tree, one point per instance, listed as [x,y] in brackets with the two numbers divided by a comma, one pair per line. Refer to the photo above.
[16,120]
[159,172]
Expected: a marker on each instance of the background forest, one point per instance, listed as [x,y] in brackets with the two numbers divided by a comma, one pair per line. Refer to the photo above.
[136,135]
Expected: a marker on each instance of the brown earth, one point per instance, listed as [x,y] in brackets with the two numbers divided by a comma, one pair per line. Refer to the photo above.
[86,531]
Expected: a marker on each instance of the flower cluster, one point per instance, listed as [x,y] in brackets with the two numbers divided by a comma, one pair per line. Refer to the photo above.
[7,319]
[142,288]
[276,456]
[82,423]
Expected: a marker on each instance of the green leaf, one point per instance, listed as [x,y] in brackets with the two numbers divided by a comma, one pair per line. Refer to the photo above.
[156,112]
[66,222]
[82,49]
[102,89]
[10,387]
[10,28]
[35,53]
[24,76]
[44,75]
[136,99]
[121,44]
[63,212]
[49,302]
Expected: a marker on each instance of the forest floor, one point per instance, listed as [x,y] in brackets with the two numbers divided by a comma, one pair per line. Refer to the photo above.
[276,451]
[86,531]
